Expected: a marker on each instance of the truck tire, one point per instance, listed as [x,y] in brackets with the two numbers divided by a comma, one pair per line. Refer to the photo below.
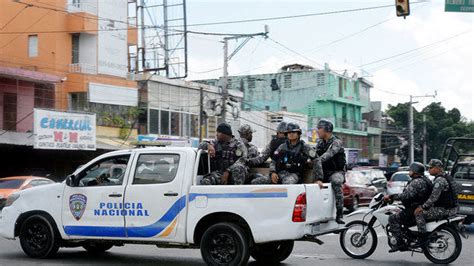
[97,248]
[38,237]
[225,244]
[272,253]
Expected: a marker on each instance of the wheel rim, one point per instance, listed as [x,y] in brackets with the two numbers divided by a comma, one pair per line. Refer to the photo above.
[36,236]
[443,246]
[357,239]
[223,248]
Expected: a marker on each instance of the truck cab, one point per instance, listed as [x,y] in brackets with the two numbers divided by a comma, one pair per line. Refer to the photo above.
[154,196]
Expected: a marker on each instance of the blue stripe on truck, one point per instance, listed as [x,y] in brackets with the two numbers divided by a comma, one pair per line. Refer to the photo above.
[160,225]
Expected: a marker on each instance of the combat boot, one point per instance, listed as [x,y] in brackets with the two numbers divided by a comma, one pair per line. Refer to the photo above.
[339,217]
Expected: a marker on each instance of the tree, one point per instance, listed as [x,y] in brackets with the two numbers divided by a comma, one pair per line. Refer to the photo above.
[440,125]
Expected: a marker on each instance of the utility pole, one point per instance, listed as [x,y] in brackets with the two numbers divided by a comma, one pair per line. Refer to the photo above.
[411,126]
[424,139]
[227,57]
[201,113]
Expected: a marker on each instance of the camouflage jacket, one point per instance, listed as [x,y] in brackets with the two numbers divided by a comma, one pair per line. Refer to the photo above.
[252,150]
[227,153]
[292,157]
[331,154]
[416,192]
[268,152]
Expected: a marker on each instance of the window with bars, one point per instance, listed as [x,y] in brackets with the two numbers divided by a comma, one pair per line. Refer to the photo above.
[320,79]
[287,81]
[44,96]
[251,82]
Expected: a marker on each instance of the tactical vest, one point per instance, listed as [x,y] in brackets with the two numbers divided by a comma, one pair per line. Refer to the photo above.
[420,198]
[449,198]
[226,155]
[274,144]
[334,164]
[291,160]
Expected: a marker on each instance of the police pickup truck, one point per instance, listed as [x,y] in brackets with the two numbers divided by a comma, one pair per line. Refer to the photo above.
[458,155]
[152,196]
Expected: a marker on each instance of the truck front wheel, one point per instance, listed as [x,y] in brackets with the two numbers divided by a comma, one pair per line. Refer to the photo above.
[225,244]
[272,253]
[38,238]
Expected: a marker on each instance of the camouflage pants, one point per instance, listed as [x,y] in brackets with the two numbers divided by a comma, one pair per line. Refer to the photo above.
[337,179]
[237,176]
[432,214]
[395,221]
[285,178]
[259,179]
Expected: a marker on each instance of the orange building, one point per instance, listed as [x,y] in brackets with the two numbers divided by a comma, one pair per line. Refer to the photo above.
[68,55]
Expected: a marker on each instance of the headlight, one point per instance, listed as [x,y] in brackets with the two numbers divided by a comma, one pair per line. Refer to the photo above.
[13,197]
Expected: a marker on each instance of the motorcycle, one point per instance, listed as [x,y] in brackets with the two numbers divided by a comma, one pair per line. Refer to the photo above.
[442,245]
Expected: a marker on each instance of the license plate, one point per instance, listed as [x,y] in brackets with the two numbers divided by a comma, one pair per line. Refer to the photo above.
[465,197]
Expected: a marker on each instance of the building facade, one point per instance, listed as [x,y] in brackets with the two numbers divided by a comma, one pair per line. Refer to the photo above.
[318,94]
[67,55]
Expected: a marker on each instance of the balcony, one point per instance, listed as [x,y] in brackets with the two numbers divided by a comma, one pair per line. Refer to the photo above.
[350,124]
[83,68]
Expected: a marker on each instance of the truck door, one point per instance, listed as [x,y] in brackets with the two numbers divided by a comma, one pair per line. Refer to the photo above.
[154,198]
[93,200]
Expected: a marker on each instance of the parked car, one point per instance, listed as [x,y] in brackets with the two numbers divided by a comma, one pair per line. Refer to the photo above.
[9,185]
[376,178]
[398,182]
[358,191]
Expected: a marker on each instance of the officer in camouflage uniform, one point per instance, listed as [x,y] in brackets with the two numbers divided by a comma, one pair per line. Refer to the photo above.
[332,160]
[268,152]
[246,135]
[443,201]
[417,191]
[291,157]
[226,154]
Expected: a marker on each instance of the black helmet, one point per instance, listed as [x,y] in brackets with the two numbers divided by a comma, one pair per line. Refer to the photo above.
[293,127]
[417,168]
[281,127]
[326,125]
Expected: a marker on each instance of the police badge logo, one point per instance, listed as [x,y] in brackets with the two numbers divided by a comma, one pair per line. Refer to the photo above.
[77,205]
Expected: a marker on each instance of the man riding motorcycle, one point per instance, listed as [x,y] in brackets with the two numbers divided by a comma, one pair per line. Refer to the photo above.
[413,196]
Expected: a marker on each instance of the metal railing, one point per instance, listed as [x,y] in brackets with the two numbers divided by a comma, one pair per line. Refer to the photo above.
[83,68]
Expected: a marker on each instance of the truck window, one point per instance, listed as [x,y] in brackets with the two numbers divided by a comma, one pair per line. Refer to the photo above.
[107,172]
[156,168]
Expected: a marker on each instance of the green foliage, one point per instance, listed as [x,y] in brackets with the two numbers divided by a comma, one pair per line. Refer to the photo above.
[441,124]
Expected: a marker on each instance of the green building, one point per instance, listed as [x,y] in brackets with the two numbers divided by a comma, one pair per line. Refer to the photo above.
[318,94]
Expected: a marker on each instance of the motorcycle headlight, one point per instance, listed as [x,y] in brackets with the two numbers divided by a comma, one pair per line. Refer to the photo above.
[12,198]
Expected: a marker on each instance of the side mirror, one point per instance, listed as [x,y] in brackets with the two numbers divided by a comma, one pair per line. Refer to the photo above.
[70,180]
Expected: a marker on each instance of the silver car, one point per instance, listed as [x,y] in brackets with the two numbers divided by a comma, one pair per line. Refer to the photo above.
[398,182]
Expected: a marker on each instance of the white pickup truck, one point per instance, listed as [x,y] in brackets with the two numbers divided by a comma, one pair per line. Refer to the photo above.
[153,196]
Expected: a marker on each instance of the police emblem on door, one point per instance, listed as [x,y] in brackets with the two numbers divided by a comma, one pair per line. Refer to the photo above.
[77,205]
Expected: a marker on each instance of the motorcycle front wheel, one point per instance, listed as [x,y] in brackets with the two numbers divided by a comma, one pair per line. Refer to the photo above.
[445,247]
[359,241]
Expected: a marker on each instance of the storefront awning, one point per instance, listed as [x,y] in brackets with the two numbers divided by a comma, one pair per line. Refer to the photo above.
[28,75]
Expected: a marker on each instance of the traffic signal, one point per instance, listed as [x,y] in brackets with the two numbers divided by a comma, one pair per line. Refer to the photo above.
[403,7]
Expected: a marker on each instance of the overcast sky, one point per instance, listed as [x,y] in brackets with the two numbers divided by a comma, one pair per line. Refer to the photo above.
[443,60]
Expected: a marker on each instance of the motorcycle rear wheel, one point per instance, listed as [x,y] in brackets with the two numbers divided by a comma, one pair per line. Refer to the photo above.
[356,239]
[433,248]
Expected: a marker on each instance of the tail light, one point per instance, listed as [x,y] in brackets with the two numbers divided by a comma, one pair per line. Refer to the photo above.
[346,190]
[299,211]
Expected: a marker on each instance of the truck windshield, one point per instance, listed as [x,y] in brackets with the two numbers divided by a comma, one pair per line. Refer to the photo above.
[11,183]
[464,171]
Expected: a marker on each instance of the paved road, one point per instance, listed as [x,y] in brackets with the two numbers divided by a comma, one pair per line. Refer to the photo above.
[304,254]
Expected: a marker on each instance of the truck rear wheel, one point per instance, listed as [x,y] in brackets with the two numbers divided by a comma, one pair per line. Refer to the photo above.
[38,237]
[272,253]
[225,244]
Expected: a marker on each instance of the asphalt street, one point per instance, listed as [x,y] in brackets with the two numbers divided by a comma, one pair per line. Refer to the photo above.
[305,253]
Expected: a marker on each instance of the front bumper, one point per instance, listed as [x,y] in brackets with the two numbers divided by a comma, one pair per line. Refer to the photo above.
[8,218]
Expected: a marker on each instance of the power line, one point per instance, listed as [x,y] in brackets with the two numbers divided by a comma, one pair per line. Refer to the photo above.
[14,17]
[416,49]
[295,52]
[31,25]
[293,16]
